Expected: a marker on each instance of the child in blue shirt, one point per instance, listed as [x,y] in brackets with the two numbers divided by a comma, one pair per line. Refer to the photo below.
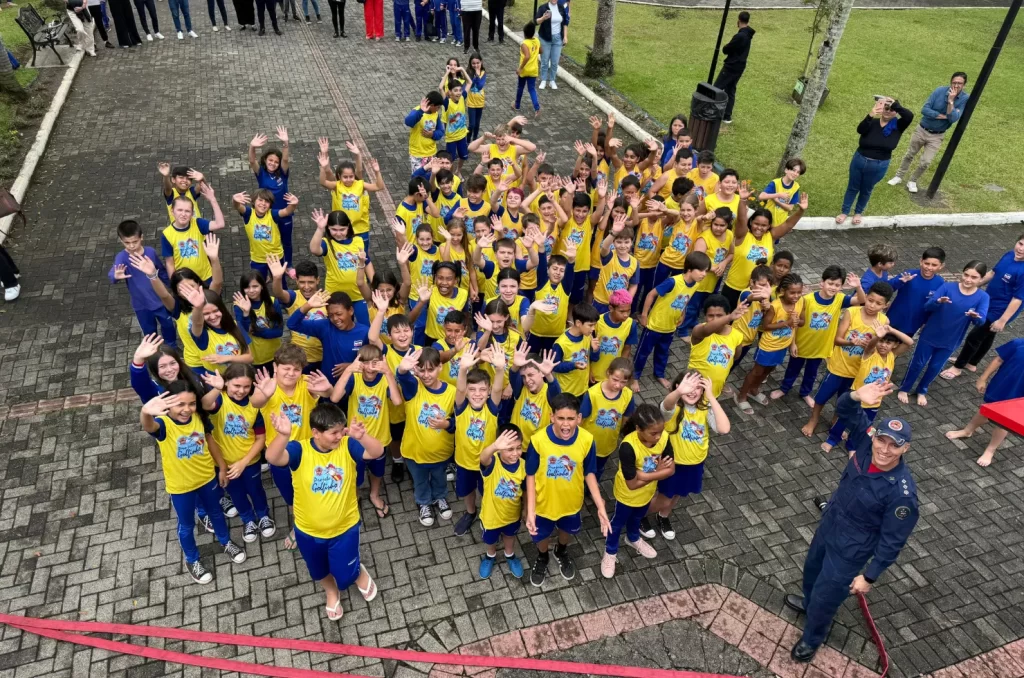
[914,289]
[403,20]
[882,258]
[440,8]
[147,305]
[455,10]
[1003,379]
[950,310]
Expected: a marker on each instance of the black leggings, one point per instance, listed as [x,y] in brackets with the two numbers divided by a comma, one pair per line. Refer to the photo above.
[267,5]
[337,15]
[471,29]
[97,20]
[7,269]
[142,6]
[978,342]
[496,10]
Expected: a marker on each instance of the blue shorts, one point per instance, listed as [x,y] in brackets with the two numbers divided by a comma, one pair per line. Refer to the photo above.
[545,526]
[282,476]
[397,430]
[831,386]
[376,467]
[770,358]
[458,149]
[491,537]
[466,481]
[595,273]
[599,307]
[338,556]
[687,479]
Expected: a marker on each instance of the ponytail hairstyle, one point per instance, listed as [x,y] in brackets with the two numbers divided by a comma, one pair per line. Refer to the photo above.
[498,307]
[227,320]
[271,312]
[978,266]
[791,279]
[644,416]
[451,266]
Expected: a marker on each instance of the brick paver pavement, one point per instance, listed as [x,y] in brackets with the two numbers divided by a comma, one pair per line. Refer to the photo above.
[86,529]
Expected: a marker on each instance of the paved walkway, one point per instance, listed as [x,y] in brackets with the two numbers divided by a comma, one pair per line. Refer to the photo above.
[85,527]
[753,5]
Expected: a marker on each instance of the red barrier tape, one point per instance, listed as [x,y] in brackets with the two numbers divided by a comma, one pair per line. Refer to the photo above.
[57,629]
[876,637]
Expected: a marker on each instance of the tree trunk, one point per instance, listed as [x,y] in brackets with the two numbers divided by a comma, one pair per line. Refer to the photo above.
[8,83]
[837,13]
[600,62]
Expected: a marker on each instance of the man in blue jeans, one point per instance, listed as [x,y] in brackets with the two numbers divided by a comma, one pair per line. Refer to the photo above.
[552,23]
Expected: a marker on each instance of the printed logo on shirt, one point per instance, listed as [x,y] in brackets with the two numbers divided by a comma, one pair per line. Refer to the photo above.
[692,432]
[617,281]
[506,489]
[609,346]
[426,267]
[530,412]
[820,320]
[293,412]
[679,303]
[429,124]
[553,300]
[261,323]
[442,313]
[561,467]
[854,335]
[327,479]
[579,356]
[261,232]
[719,355]
[719,256]
[475,430]
[681,242]
[349,202]
[456,122]
[881,374]
[454,366]
[369,406]
[782,332]
[430,411]
[575,236]
[346,261]
[647,242]
[316,314]
[191,445]
[227,348]
[756,252]
[608,418]
[188,248]
[236,426]
[650,464]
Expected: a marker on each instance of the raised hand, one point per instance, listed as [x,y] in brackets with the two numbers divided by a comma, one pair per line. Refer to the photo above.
[689,384]
[470,357]
[803,201]
[212,244]
[282,424]
[242,301]
[323,159]
[141,263]
[589,147]
[319,299]
[853,280]
[374,165]
[214,380]
[907,276]
[396,224]
[570,251]
[874,392]
[498,359]
[242,198]
[265,383]
[282,134]
[291,198]
[424,289]
[410,360]
[195,175]
[380,300]
[614,143]
[319,218]
[164,168]
[508,440]
[403,253]
[192,293]
[521,356]
[149,346]
[324,144]
[619,223]
[745,191]
[595,122]
[443,232]
[160,405]
[545,306]
[317,382]
[356,430]
[483,322]
[547,364]
[520,120]
[602,187]
[276,266]
[259,140]
[741,308]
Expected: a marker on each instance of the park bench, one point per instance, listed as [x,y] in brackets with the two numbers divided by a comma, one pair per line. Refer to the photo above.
[42,34]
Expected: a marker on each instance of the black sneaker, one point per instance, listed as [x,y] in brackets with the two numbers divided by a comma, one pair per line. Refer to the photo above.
[565,564]
[228,506]
[449,473]
[277,32]
[426,516]
[646,529]
[235,552]
[443,509]
[540,569]
[250,533]
[199,574]
[263,31]
[666,528]
[397,472]
[206,524]
[267,527]
[464,523]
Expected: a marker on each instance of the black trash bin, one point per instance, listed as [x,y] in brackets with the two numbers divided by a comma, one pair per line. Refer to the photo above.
[707,109]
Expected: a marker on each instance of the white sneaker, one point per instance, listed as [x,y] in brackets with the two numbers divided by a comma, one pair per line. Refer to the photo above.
[159,36]
[149,37]
[554,85]
[215,29]
[895,181]
[227,28]
[912,186]
[193,34]
[180,36]
[543,84]
[608,566]
[442,41]
[12,293]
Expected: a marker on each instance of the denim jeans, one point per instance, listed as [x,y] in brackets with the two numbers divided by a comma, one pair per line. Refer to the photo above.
[175,6]
[428,481]
[248,494]
[185,508]
[305,8]
[550,53]
[864,174]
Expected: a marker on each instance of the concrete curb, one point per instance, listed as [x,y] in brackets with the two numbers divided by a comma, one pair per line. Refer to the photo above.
[761,8]
[28,168]
[807,223]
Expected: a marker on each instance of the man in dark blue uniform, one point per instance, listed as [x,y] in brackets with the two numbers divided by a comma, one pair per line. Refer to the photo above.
[869,518]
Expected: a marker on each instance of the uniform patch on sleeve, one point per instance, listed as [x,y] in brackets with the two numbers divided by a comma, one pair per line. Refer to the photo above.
[902,512]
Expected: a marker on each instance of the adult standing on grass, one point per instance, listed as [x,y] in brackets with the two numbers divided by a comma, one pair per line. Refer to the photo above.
[942,110]
[552,24]
[736,53]
[880,133]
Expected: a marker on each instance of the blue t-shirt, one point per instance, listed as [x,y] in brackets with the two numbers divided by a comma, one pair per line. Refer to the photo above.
[276,183]
[340,346]
[1007,283]
[907,311]
[946,324]
[1008,381]
[140,291]
[870,278]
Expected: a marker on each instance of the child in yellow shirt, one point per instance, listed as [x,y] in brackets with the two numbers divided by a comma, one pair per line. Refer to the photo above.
[529,62]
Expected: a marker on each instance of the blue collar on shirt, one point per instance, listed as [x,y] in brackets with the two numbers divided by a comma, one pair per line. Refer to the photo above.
[558,441]
[608,321]
[573,337]
[822,300]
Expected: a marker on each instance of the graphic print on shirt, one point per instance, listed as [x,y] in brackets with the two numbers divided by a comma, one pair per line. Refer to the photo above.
[647,242]
[608,418]
[820,320]
[756,252]
[719,355]
[578,356]
[719,256]
[430,411]
[327,479]
[426,267]
[854,335]
[530,412]
[456,122]
[880,374]
[561,467]
[191,445]
[235,426]
[506,489]
[349,201]
[442,313]
[475,430]
[693,432]
[227,348]
[609,346]
[680,302]
[261,232]
[293,412]
[681,242]
[618,281]
[369,406]
[188,248]
[650,464]
[346,261]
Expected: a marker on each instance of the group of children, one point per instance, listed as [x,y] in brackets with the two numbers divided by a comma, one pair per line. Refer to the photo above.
[504,352]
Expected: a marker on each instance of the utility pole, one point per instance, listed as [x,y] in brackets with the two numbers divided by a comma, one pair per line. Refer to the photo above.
[718,44]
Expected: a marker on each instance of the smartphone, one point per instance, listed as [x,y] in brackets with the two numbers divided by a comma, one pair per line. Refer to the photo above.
[879,97]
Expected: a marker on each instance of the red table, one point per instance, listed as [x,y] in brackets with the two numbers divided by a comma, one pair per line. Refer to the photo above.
[1009,414]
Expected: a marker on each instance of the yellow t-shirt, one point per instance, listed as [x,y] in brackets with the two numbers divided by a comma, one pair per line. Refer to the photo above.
[184,457]
[703,187]
[502,501]
[712,202]
[423,444]
[780,215]
[325,490]
[456,121]
[263,350]
[560,474]
[264,236]
[477,96]
[297,407]
[349,199]
[175,194]
[845,360]
[648,243]
[189,250]
[421,269]
[747,253]
[234,427]
[679,242]
[311,345]
[717,251]
[689,432]
[670,175]
[713,357]
[369,403]
[419,145]
[508,158]
[782,337]
[529,63]
[874,368]
[606,417]
[531,412]
[750,322]
[667,311]
[611,341]
[474,430]
[582,236]
[614,276]
[440,306]
[396,413]
[341,259]
[450,370]
[646,461]
[816,337]
[412,216]
[551,324]
[574,381]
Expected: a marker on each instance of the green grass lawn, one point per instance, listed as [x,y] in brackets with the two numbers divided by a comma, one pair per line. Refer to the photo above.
[660,55]
[15,114]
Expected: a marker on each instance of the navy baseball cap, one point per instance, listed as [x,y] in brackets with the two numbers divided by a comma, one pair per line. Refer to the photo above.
[895,428]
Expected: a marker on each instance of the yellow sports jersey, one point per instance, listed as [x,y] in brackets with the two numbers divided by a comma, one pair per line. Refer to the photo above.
[646,461]
[874,368]
[446,204]
[187,193]
[611,341]
[614,276]
[482,209]
[666,188]
[559,477]
[421,269]
[392,310]
[576,380]
[394,356]
[440,306]
[184,456]
[529,63]
[477,96]
[234,429]
[688,429]
[264,236]
[703,187]
[349,199]
[325,490]
[311,345]
[422,444]
[190,352]
[779,215]
[713,357]
[816,337]
[450,370]
[515,312]
[717,251]
[461,259]
[750,322]
[527,279]
[263,350]
[508,159]
[189,251]
[369,403]
[845,360]
[502,501]
[582,236]
[413,216]
[219,342]
[512,225]
[606,417]
[667,311]
[782,337]
[508,347]
[551,324]
[532,412]
[747,253]
[424,146]
[474,430]
[602,173]
[622,173]
[712,202]
[456,121]
[679,242]
[648,243]
[341,259]
[297,407]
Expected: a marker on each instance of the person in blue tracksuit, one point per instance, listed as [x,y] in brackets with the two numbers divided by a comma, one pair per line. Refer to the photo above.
[865,524]
[423,9]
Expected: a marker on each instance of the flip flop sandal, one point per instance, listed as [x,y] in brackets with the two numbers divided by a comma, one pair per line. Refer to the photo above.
[382,511]
[745,407]
[370,592]
[948,376]
[335,613]
[760,398]
[290,544]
